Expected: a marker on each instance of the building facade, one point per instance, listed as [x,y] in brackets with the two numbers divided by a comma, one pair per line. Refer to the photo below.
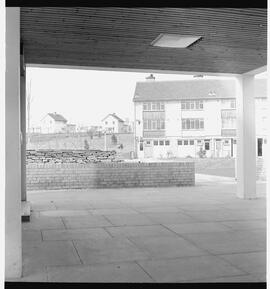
[194,118]
[53,123]
[112,124]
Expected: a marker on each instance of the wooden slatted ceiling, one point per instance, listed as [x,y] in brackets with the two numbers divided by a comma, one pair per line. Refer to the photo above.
[234,40]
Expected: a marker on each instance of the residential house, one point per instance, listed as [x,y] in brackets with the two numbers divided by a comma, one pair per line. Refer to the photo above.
[53,123]
[192,117]
[113,124]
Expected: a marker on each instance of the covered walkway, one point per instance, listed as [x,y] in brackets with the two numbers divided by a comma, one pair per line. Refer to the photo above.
[185,234]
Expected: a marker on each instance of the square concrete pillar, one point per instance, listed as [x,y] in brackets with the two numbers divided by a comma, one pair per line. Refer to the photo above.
[23,124]
[13,239]
[246,137]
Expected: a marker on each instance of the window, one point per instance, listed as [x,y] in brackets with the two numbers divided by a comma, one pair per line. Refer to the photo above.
[192,105]
[206,145]
[191,142]
[149,124]
[113,122]
[192,123]
[188,123]
[185,142]
[179,142]
[233,104]
[161,142]
[167,142]
[199,141]
[184,124]
[162,124]
[154,124]
[155,142]
[228,117]
[148,142]
[226,142]
[197,123]
[201,124]
[234,141]
[259,147]
[106,122]
[153,106]
[145,126]
[141,146]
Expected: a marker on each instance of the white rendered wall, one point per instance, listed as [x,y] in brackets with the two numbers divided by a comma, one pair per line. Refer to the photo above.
[13,238]
[246,140]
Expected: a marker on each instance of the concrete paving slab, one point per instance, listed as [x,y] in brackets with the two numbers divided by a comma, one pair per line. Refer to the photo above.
[246,225]
[72,206]
[74,234]
[116,272]
[51,253]
[42,206]
[109,204]
[64,213]
[192,269]
[136,231]
[31,235]
[167,247]
[170,218]
[225,215]
[128,220]
[158,209]
[118,211]
[230,242]
[39,223]
[85,222]
[253,263]
[197,227]
[230,279]
[108,250]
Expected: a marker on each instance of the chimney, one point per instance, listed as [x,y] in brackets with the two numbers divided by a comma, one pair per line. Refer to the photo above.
[150,77]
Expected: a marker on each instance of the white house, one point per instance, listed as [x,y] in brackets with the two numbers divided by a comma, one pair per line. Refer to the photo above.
[53,123]
[113,124]
[182,118]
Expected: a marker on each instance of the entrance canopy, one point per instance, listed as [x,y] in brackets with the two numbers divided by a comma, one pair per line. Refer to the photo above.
[232,40]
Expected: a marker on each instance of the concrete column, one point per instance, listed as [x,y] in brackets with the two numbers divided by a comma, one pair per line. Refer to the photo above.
[23,127]
[13,241]
[246,140]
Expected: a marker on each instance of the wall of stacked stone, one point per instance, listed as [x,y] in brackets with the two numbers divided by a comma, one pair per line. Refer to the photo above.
[69,156]
[109,175]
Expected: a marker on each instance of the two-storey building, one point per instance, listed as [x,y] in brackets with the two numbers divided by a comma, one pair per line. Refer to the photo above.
[192,117]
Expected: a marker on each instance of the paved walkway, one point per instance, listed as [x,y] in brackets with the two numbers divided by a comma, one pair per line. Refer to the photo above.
[178,234]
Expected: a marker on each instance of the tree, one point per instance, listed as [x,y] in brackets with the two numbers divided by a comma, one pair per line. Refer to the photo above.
[114,139]
[86,145]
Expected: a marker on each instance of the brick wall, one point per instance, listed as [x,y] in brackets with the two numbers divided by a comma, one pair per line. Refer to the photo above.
[109,175]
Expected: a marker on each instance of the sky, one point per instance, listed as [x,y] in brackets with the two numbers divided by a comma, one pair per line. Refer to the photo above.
[84,97]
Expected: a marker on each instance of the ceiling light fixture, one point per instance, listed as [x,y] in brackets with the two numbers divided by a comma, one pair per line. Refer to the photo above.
[175,40]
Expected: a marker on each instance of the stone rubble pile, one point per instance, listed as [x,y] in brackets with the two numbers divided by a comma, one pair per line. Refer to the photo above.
[69,156]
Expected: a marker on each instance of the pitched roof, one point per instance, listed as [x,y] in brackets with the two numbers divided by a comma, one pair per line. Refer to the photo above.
[192,89]
[113,115]
[57,117]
